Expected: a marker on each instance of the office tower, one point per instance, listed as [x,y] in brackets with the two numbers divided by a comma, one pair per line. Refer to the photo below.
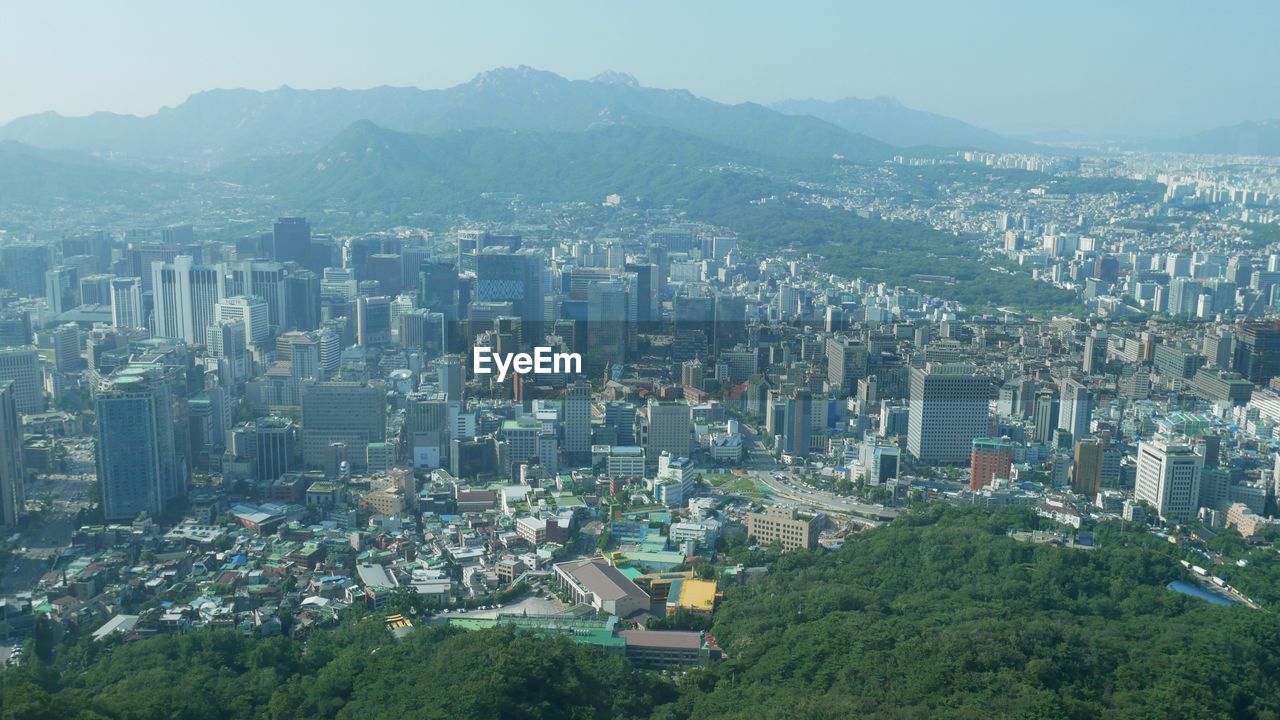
[302,300]
[607,326]
[339,283]
[22,366]
[1095,351]
[373,321]
[15,327]
[1045,416]
[1183,292]
[1257,355]
[139,466]
[302,351]
[644,291]
[351,413]
[438,288]
[577,423]
[250,310]
[126,303]
[12,495]
[185,296]
[515,278]
[66,347]
[177,234]
[694,325]
[1168,477]
[450,377]
[228,345]
[1086,471]
[275,442]
[692,374]
[846,363]
[670,430]
[473,243]
[730,322]
[96,289]
[384,269]
[1076,409]
[62,289]
[948,409]
[798,428]
[265,280]
[989,459]
[23,267]
[291,237]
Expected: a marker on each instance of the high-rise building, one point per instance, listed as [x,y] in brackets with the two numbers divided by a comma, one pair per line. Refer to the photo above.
[798,429]
[126,303]
[302,300]
[292,240]
[12,493]
[846,364]
[23,267]
[275,442]
[1168,477]
[265,280]
[670,430]
[1045,416]
[22,366]
[373,321]
[989,459]
[350,413]
[185,297]
[62,288]
[139,466]
[1086,471]
[251,311]
[608,331]
[515,277]
[577,423]
[1075,411]
[1258,351]
[66,347]
[15,327]
[948,409]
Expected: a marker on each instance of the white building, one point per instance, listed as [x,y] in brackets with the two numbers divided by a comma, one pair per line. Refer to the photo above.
[1168,477]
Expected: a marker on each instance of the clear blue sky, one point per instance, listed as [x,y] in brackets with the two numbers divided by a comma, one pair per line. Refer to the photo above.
[1125,67]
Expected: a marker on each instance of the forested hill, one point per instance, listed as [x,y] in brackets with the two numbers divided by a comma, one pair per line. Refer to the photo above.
[940,615]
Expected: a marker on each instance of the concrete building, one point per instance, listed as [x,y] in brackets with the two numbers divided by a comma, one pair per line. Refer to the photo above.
[594,582]
[784,526]
[949,408]
[1168,477]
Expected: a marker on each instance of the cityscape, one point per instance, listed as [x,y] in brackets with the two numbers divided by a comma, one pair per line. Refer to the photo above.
[539,397]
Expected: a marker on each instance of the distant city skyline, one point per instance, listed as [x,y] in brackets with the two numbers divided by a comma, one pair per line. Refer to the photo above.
[1140,69]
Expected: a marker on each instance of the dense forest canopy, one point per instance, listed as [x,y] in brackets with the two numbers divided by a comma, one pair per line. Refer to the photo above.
[940,614]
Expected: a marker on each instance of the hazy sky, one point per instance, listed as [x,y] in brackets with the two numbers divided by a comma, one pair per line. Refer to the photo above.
[1124,67]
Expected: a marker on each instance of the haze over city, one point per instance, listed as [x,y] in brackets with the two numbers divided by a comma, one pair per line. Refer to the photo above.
[665,361]
[1138,70]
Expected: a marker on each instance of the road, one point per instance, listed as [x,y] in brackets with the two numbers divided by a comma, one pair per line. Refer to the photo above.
[761,466]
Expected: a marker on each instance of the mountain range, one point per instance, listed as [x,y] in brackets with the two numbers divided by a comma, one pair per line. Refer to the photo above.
[1246,138]
[890,121]
[218,125]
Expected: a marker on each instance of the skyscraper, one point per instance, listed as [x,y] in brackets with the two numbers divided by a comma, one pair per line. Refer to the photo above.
[948,409]
[989,459]
[607,326]
[577,423]
[251,311]
[670,430]
[350,413]
[1168,477]
[514,277]
[62,288]
[1258,351]
[1086,471]
[292,236]
[11,481]
[185,296]
[1076,409]
[126,303]
[22,366]
[139,467]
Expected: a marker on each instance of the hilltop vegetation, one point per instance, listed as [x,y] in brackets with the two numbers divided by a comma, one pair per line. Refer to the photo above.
[939,615]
